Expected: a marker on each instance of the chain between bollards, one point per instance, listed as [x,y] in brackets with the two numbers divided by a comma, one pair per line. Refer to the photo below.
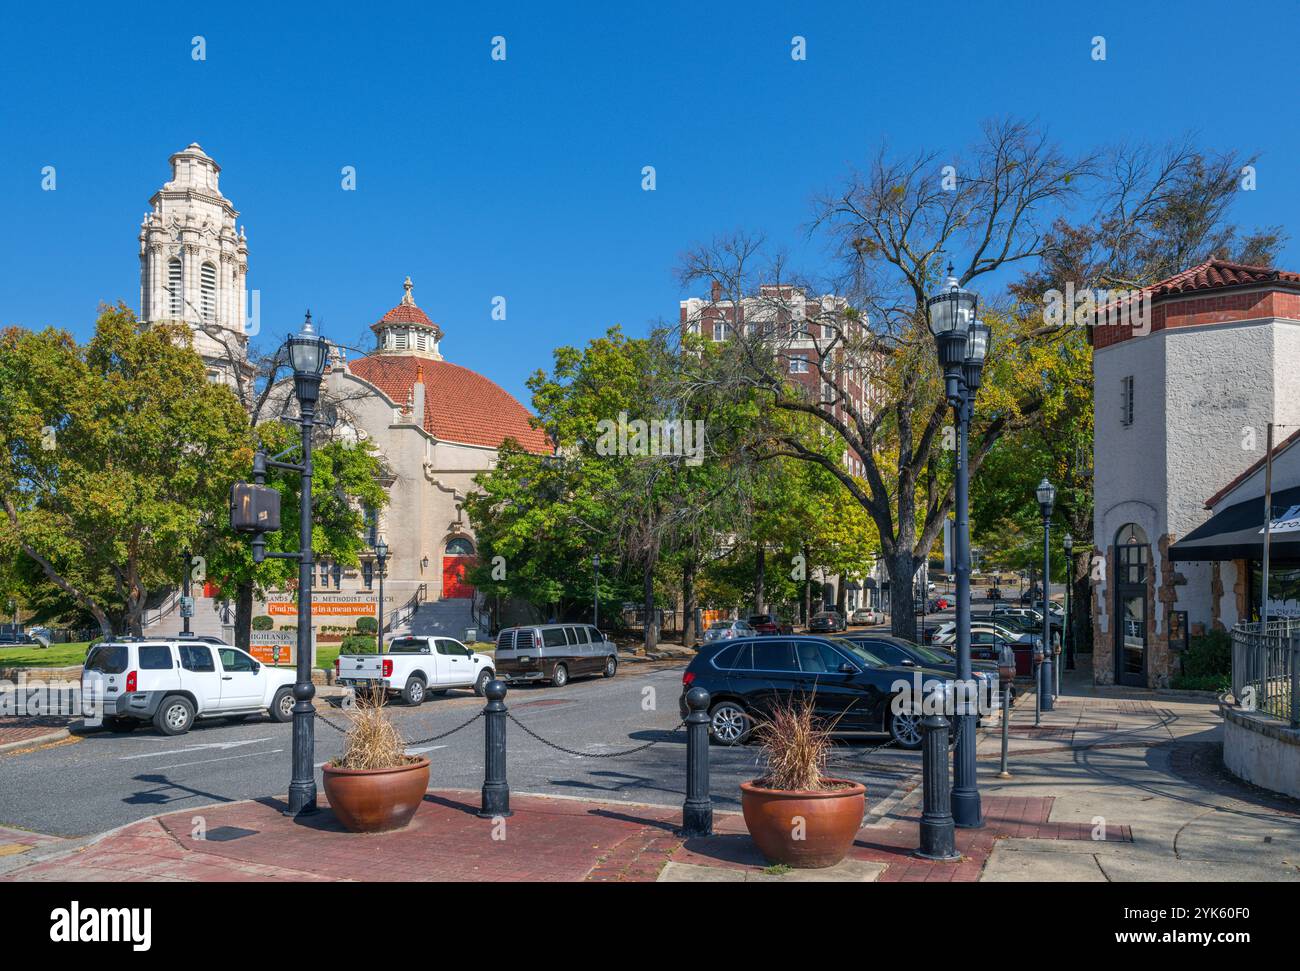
[697,810]
[496,791]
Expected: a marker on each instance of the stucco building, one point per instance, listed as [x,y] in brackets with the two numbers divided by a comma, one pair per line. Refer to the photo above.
[1181,409]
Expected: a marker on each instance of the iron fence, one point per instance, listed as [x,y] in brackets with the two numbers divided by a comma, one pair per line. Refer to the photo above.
[1266,668]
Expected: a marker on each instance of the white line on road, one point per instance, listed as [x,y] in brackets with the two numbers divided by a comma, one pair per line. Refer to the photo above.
[196,748]
[228,758]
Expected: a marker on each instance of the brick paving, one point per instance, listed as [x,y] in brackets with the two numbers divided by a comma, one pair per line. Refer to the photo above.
[25,728]
[547,839]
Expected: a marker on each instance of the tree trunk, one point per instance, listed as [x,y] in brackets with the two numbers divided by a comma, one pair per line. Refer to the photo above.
[760,576]
[651,639]
[244,614]
[689,631]
[902,618]
[841,595]
[1080,604]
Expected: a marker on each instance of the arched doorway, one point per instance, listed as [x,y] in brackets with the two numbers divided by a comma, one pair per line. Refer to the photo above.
[458,556]
[1132,555]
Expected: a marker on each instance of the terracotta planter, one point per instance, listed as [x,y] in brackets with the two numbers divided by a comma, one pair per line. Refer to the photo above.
[376,800]
[831,820]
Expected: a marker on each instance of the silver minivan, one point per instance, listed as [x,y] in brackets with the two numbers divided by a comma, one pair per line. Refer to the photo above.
[554,653]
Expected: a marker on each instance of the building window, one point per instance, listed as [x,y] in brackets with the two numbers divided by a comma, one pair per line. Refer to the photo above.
[208,292]
[419,342]
[719,330]
[174,289]
[799,364]
[459,546]
[1126,400]
[368,573]
[399,340]
[324,574]
[372,526]
[1131,554]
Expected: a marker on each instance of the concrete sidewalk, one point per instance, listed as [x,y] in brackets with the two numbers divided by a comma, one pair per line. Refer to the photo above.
[1113,785]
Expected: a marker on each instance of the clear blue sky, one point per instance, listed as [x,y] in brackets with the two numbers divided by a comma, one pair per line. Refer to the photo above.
[523,178]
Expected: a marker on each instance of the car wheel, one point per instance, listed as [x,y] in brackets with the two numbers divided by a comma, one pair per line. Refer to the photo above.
[560,676]
[729,723]
[281,709]
[905,729]
[174,716]
[611,667]
[480,686]
[121,725]
[413,693]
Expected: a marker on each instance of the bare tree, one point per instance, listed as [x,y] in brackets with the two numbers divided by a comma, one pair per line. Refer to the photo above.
[870,365]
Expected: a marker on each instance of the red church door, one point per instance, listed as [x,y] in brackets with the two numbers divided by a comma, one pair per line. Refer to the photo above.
[458,558]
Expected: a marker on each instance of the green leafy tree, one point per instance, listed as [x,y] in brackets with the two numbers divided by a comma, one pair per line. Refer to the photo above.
[113,454]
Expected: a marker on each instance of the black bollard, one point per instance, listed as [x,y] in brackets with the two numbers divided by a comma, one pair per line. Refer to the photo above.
[938,832]
[496,791]
[697,810]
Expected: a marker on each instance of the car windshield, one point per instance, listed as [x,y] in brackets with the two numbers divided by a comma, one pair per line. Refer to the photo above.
[720,625]
[931,656]
[861,653]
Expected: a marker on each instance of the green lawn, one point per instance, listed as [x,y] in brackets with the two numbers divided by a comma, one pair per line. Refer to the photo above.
[54,656]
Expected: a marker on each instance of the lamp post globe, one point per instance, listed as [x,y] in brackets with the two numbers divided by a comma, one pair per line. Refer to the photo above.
[307,352]
[949,315]
[1046,494]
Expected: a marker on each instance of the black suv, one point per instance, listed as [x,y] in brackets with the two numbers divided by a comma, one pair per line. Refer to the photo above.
[851,688]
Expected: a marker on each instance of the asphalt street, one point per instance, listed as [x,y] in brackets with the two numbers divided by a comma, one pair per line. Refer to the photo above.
[102,780]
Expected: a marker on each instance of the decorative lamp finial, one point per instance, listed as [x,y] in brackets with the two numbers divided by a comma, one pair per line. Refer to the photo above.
[407,299]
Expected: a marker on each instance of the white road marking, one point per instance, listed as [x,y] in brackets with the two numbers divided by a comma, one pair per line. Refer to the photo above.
[228,758]
[196,748]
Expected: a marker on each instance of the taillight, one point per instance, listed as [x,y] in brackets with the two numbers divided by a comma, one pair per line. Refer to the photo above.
[687,678]
[388,667]
[336,665]
[131,681]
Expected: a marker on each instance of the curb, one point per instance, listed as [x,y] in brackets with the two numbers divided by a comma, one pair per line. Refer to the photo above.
[38,740]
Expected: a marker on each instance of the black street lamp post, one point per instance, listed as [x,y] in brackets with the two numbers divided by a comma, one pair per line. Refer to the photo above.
[963,343]
[256,510]
[381,558]
[595,591]
[1046,499]
[1067,542]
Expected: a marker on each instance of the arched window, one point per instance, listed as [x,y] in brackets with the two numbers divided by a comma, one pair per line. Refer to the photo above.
[174,289]
[460,547]
[1131,554]
[208,292]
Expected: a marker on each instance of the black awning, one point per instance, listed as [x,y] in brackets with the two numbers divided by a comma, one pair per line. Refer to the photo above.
[1237,533]
[853,585]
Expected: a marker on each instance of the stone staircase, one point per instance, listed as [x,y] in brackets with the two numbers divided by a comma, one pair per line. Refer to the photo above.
[448,618]
[215,617]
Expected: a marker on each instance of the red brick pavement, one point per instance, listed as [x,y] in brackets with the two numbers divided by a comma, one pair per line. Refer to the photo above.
[25,728]
[546,840]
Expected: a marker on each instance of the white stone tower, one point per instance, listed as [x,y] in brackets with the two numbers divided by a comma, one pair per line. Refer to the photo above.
[194,264]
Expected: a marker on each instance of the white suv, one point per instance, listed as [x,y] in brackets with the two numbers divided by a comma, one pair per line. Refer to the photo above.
[173,682]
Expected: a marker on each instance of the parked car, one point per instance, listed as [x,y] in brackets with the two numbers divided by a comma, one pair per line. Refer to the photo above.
[993,593]
[827,622]
[769,624]
[1028,618]
[947,634]
[174,682]
[413,667]
[728,629]
[20,639]
[852,689]
[904,653]
[554,653]
[867,615]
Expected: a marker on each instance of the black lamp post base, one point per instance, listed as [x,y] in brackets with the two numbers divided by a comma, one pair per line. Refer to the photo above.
[966,811]
[302,802]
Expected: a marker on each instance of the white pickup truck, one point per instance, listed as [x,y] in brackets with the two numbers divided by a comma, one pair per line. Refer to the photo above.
[414,667]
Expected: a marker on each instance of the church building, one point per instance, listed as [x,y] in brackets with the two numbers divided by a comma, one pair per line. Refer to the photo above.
[435,424]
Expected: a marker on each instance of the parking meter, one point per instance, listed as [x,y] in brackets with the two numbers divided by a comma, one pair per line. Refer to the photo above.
[1006,663]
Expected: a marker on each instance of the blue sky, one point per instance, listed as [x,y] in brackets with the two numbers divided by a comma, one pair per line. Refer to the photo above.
[523,178]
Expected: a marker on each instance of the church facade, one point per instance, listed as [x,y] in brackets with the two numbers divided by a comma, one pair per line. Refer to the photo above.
[435,425]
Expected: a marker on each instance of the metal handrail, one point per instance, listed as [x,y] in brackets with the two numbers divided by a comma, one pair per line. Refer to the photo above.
[1266,668]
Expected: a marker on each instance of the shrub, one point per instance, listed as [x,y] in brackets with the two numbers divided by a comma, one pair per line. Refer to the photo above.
[1206,664]
[795,747]
[357,644]
[367,625]
[263,622]
[372,741]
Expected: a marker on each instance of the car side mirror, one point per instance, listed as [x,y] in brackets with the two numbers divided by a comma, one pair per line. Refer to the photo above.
[848,668]
[256,667]
[908,663]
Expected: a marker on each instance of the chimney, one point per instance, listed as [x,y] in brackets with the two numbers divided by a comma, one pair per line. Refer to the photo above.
[717,291]
[417,395]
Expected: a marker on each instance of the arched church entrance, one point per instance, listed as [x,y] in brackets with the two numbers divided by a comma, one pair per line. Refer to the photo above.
[458,556]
